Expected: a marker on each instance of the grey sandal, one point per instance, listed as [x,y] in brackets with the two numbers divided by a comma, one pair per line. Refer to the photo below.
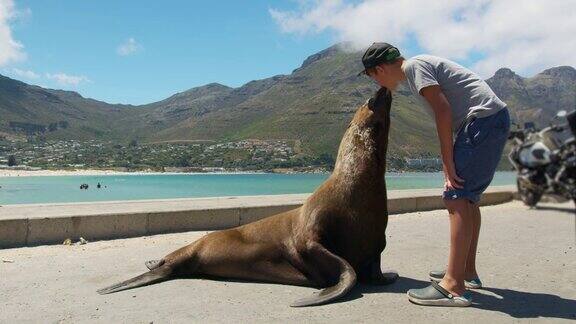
[435,295]
[471,284]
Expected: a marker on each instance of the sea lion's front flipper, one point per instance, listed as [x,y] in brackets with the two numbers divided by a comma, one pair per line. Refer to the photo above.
[153,264]
[321,258]
[372,274]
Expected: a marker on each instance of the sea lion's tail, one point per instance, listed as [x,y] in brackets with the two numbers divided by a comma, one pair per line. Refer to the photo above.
[151,277]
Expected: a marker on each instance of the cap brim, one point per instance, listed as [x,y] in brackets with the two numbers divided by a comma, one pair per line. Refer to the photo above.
[362,72]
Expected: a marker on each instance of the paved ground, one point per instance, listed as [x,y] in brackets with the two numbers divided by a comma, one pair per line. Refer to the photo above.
[527,261]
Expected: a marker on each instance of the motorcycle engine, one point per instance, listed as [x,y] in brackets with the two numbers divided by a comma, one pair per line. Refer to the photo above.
[534,155]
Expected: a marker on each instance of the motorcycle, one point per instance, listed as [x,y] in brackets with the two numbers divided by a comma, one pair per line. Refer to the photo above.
[545,159]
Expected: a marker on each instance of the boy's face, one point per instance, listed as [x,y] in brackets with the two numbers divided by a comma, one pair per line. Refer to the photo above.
[385,76]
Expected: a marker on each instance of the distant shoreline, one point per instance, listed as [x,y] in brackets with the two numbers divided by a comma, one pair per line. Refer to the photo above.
[7,173]
[47,173]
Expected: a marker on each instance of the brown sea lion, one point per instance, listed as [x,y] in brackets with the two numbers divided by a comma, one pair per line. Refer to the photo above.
[335,238]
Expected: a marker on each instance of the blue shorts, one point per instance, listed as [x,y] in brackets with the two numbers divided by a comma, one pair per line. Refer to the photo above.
[477,150]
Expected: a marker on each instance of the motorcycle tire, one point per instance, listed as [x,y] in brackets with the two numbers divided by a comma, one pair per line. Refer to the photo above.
[529,197]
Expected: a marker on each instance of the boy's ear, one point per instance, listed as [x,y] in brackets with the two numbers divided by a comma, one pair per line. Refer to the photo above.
[380,99]
[381,68]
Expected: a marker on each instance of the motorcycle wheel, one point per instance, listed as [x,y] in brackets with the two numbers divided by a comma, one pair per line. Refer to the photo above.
[529,197]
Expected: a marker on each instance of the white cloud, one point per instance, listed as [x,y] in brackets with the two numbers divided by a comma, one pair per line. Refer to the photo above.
[129,47]
[527,35]
[66,79]
[10,49]
[27,74]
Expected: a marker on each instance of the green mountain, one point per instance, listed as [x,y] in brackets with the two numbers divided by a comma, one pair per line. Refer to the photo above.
[312,105]
[538,98]
[32,110]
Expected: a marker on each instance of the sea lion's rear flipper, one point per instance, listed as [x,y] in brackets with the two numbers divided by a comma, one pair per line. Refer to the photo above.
[325,259]
[154,276]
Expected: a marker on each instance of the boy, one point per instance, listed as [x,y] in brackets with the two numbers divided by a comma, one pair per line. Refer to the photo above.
[472,125]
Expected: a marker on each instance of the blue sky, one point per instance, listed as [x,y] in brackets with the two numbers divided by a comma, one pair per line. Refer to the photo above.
[128,51]
[177,45]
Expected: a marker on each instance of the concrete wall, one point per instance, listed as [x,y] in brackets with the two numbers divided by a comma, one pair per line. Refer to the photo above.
[26,225]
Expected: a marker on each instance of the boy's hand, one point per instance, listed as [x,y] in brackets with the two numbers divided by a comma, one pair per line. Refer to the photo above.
[452,180]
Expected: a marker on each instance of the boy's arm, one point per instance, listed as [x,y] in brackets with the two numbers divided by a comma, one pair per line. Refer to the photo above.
[443,115]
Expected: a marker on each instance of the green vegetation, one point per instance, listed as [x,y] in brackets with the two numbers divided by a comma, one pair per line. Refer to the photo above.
[244,155]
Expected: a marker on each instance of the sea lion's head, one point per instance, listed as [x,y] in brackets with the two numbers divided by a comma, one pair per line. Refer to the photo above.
[375,113]
[373,117]
[365,142]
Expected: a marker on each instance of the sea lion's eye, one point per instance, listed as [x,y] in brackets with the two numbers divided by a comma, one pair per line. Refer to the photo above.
[370,103]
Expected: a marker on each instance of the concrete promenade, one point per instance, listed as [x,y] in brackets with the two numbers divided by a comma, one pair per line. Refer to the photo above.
[35,224]
[527,261]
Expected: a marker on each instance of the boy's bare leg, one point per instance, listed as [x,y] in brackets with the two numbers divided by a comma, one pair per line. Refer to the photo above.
[471,272]
[460,239]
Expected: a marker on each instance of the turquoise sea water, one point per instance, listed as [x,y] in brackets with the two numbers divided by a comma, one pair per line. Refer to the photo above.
[52,189]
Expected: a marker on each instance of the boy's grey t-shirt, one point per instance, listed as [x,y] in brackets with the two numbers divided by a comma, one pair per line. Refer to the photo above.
[466,92]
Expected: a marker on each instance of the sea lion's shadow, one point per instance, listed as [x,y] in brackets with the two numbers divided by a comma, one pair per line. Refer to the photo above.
[402,285]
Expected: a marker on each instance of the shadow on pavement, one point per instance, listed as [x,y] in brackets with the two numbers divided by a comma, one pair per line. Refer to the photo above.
[400,286]
[520,304]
